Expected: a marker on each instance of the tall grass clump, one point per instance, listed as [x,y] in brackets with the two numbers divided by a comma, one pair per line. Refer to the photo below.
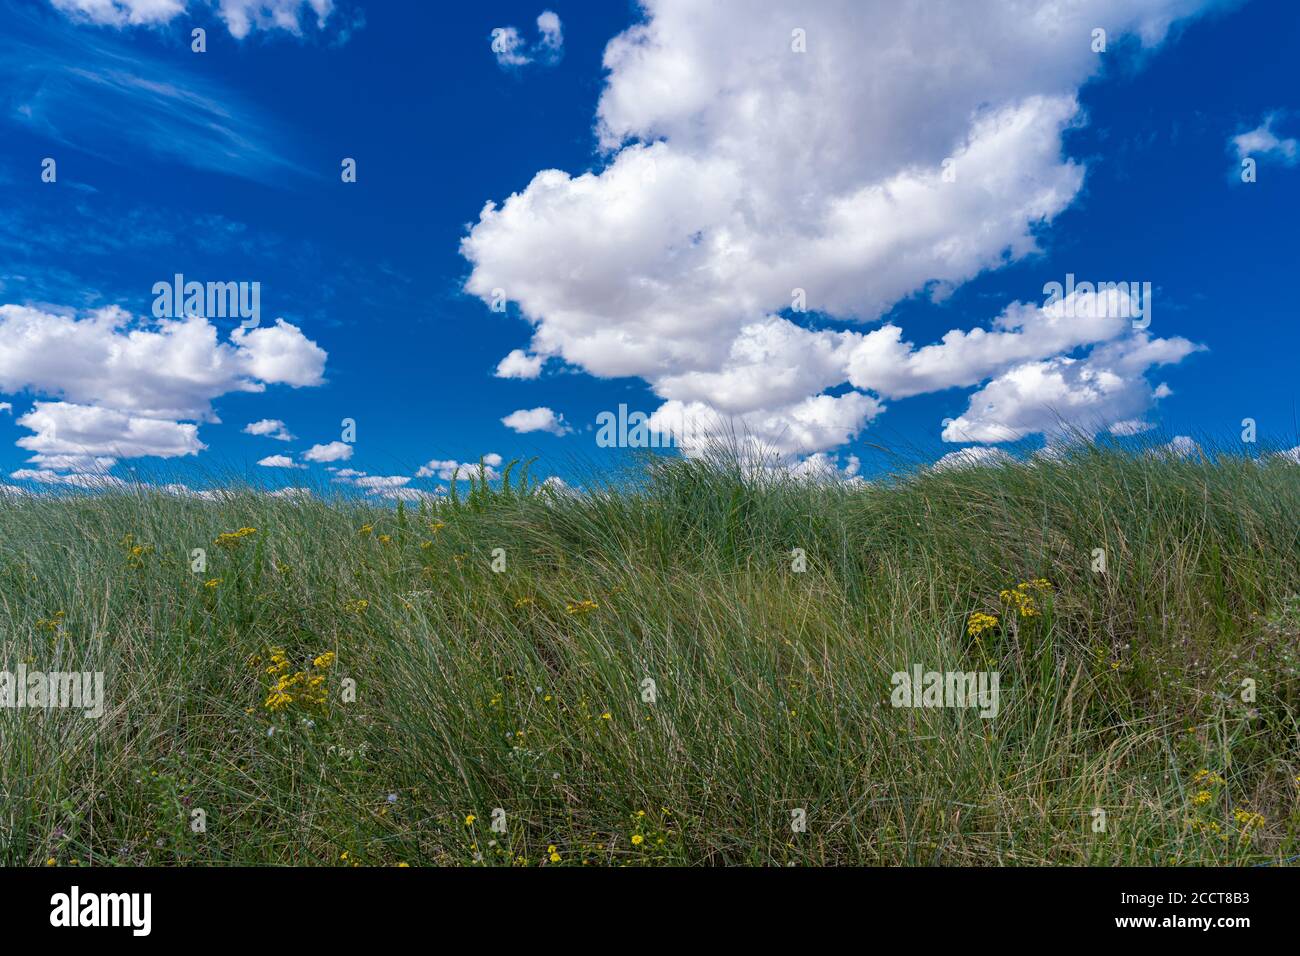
[688,665]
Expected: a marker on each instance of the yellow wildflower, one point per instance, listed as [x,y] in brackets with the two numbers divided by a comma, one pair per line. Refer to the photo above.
[1248,818]
[1021,600]
[232,539]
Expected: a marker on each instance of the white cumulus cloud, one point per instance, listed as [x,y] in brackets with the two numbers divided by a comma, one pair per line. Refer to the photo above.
[519,364]
[67,429]
[540,419]
[119,387]
[907,150]
[333,451]
[461,470]
[269,428]
[1055,395]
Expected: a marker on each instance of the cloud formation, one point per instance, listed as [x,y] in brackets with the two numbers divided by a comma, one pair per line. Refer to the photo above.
[536,420]
[74,85]
[241,17]
[1262,143]
[734,193]
[461,470]
[519,364]
[269,428]
[279,461]
[513,51]
[974,457]
[333,451]
[119,387]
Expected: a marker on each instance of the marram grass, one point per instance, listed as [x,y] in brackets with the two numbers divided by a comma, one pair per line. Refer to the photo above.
[1125,732]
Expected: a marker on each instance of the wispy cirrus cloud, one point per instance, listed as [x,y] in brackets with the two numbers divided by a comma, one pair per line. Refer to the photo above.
[241,17]
[75,86]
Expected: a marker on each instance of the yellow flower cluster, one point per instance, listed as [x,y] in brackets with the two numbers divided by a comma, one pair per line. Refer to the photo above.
[306,687]
[232,539]
[581,607]
[51,624]
[1248,820]
[279,661]
[357,606]
[979,623]
[1021,598]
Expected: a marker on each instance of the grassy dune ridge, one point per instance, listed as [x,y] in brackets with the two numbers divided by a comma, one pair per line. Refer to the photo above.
[1121,692]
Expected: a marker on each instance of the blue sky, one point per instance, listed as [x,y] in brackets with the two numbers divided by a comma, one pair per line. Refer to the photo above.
[724,169]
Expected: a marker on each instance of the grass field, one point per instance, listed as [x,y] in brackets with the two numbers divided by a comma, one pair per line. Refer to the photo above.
[651,681]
